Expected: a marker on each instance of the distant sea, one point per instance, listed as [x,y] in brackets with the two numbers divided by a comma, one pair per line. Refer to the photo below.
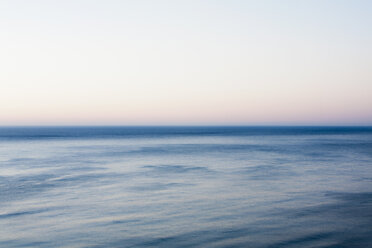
[263,187]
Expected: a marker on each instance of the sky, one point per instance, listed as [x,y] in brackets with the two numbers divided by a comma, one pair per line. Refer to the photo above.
[231,62]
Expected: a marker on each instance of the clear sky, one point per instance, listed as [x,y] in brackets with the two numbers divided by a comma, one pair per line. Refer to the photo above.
[108,62]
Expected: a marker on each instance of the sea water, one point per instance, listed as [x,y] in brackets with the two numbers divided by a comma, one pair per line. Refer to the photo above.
[186,187]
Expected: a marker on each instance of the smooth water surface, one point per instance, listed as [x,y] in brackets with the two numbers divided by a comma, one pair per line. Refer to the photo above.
[186,187]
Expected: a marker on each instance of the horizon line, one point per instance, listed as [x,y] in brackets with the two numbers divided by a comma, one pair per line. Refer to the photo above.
[196,125]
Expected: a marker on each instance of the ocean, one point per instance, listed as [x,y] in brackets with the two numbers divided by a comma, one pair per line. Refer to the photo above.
[186,187]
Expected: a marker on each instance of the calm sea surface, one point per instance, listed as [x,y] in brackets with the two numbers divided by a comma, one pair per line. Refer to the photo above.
[186,187]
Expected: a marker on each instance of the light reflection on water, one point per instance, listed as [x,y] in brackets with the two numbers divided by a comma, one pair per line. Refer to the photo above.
[186,187]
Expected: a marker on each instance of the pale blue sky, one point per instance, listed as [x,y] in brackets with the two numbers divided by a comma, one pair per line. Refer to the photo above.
[185,62]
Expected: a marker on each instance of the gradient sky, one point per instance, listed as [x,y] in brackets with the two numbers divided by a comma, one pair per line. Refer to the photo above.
[185,62]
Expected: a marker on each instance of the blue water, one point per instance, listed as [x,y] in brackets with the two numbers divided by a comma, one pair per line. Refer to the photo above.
[186,187]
